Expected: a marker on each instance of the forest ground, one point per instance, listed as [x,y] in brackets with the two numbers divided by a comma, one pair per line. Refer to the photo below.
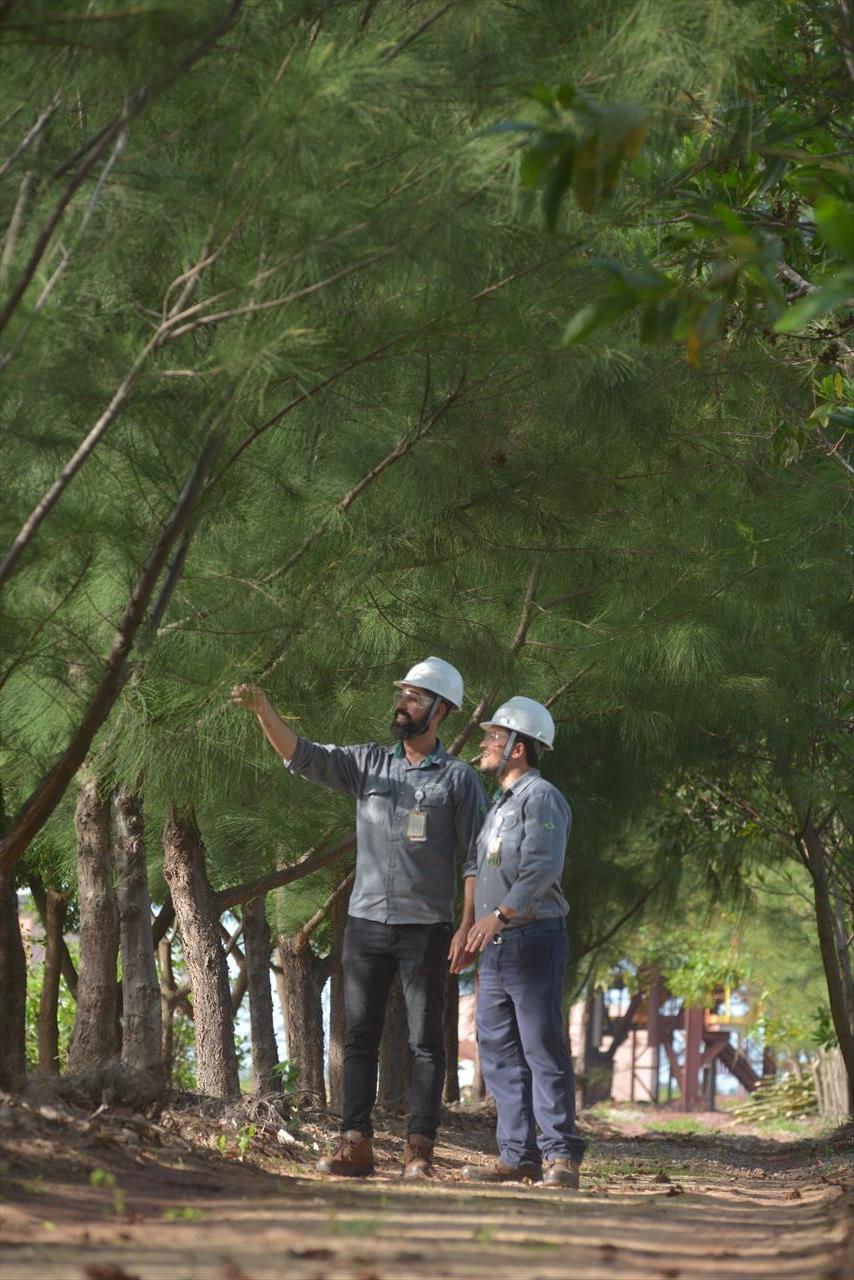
[198,1195]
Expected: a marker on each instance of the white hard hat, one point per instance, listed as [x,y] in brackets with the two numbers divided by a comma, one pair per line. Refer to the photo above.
[524,715]
[436,676]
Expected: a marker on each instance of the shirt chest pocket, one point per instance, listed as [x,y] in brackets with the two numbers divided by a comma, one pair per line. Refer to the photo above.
[376,798]
[430,797]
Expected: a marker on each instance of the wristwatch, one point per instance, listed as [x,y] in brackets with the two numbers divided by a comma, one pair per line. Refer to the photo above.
[499,915]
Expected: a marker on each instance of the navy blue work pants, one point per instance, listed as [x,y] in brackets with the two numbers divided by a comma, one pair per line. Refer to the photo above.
[372,954]
[523,1047]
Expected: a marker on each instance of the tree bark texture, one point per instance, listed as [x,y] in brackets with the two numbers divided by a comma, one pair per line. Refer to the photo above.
[141,1028]
[167,1007]
[48,1031]
[395,1059]
[814,855]
[265,1054]
[13,989]
[184,870]
[337,1017]
[451,1092]
[94,1040]
[597,1072]
[68,970]
[841,1007]
[303,977]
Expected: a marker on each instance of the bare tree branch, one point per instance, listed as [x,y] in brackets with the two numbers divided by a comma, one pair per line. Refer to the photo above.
[31,134]
[48,792]
[313,861]
[313,922]
[400,450]
[66,255]
[516,644]
[419,30]
[31,638]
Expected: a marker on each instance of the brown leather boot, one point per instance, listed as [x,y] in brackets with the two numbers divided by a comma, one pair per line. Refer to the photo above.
[561,1172]
[498,1171]
[418,1157]
[352,1158]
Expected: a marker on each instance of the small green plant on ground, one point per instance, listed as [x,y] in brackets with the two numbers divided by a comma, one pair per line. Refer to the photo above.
[185,1214]
[355,1226]
[244,1138]
[681,1124]
[103,1178]
[288,1073]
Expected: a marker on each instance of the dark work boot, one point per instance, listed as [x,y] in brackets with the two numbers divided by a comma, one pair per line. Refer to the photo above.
[418,1157]
[561,1172]
[352,1158]
[498,1171]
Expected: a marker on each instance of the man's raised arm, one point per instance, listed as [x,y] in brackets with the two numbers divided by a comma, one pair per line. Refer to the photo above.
[280,736]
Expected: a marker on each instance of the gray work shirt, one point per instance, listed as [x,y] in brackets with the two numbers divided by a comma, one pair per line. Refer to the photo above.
[521,850]
[400,880]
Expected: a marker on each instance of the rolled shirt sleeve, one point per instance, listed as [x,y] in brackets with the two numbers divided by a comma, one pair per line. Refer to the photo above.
[339,768]
[545,831]
[469,813]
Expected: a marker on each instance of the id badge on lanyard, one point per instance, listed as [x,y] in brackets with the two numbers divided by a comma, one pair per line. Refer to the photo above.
[416,822]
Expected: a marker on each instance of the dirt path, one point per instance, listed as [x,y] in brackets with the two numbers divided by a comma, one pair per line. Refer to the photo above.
[110,1198]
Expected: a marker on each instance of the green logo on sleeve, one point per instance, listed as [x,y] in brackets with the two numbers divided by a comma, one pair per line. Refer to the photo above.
[548,826]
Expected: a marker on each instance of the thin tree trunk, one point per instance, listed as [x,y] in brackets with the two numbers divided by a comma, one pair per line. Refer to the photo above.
[395,1060]
[241,986]
[93,1041]
[67,968]
[48,1031]
[303,1012]
[13,986]
[141,1033]
[478,1084]
[184,870]
[840,1008]
[337,1018]
[452,1040]
[167,1007]
[13,980]
[265,1054]
[278,967]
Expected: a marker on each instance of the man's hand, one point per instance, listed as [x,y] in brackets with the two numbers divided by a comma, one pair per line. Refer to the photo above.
[482,932]
[459,955]
[249,697]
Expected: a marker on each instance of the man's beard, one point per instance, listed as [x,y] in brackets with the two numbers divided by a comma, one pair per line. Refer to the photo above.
[407,727]
[489,770]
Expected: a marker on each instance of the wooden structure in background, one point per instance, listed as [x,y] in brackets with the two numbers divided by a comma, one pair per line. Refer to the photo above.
[706,1035]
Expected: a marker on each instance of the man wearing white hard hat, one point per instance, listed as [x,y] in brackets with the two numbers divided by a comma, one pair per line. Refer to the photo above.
[520,935]
[418,812]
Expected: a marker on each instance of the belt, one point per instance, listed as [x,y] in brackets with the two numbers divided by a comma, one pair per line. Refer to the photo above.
[552,924]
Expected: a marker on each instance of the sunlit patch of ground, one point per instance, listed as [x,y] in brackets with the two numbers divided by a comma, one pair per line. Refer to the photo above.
[195,1197]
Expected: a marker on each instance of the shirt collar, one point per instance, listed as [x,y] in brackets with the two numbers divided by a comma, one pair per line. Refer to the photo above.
[437,756]
[518,788]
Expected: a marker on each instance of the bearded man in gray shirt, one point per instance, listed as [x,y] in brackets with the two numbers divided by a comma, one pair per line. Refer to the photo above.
[520,936]
[418,812]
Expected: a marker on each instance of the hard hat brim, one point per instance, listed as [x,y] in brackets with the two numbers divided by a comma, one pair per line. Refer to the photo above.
[398,684]
[493,724]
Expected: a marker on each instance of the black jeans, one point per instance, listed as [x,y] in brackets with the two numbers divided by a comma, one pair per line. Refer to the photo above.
[373,953]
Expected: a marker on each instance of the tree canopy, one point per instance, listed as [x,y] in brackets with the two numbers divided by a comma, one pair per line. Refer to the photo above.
[285,398]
